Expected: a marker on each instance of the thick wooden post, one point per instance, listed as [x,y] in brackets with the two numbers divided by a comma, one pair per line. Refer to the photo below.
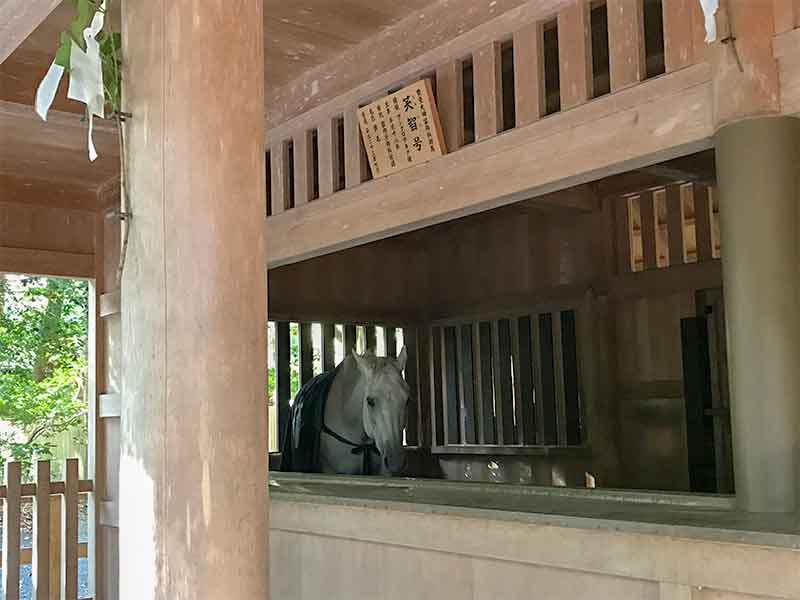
[193,475]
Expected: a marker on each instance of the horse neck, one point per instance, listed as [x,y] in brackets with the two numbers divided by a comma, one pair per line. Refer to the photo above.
[343,410]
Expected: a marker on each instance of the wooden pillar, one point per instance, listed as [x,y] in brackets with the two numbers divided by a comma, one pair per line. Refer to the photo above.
[193,474]
[626,43]
[757,175]
[528,74]
[488,86]
[575,55]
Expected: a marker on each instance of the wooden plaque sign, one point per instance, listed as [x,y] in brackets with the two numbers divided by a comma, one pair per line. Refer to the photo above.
[402,129]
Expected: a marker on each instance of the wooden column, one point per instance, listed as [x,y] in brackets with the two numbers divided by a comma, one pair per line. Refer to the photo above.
[757,159]
[193,476]
[353,163]
[488,89]
[626,42]
[575,55]
[328,167]
[278,159]
[303,166]
[684,34]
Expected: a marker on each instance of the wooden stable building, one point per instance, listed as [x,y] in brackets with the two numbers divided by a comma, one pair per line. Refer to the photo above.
[597,284]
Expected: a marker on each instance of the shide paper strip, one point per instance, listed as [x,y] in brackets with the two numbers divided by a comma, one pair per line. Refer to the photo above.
[709,10]
[85,78]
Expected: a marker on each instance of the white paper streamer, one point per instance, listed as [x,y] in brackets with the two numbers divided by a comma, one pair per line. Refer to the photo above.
[46,92]
[709,10]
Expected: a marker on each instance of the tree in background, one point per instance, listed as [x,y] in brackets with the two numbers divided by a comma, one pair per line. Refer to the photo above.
[43,364]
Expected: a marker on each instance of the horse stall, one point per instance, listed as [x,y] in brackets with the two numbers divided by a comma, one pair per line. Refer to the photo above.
[557,282]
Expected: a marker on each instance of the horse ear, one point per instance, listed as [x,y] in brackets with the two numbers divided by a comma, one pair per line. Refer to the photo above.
[401,359]
[362,362]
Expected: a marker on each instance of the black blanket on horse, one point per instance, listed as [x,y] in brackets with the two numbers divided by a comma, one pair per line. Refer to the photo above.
[301,437]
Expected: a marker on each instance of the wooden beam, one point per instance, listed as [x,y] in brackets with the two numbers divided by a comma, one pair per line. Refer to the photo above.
[450,102]
[626,43]
[487,74]
[46,262]
[528,74]
[574,54]
[618,132]
[18,19]
[46,193]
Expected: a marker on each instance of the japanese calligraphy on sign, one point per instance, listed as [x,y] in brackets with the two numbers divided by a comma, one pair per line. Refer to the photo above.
[402,129]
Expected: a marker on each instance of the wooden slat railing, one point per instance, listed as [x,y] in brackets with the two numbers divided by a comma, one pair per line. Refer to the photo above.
[56,550]
[632,51]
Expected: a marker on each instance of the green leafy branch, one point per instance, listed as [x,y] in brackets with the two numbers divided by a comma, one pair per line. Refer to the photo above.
[110,44]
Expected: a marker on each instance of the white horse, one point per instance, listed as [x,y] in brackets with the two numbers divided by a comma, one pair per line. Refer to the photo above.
[365,415]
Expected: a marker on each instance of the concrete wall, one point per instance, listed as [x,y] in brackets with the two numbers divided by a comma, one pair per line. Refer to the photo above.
[347,552]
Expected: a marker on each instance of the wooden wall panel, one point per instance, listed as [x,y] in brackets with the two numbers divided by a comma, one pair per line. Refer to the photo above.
[575,54]
[528,74]
[626,42]
[450,102]
[488,89]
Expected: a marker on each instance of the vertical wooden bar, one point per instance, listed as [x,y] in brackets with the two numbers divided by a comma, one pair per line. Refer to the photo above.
[648,213]
[425,419]
[626,43]
[11,535]
[575,54]
[390,341]
[558,376]
[69,532]
[437,398]
[702,221]
[283,378]
[523,378]
[679,35]
[571,377]
[54,564]
[353,163]
[349,339]
[328,346]
[370,338]
[677,255]
[306,353]
[450,399]
[488,88]
[450,102]
[483,370]
[548,378]
[40,570]
[412,379]
[278,165]
[467,384]
[328,155]
[528,74]
[623,235]
[538,396]
[504,402]
[303,165]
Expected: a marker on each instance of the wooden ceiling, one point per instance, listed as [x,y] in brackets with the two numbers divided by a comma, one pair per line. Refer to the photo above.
[299,35]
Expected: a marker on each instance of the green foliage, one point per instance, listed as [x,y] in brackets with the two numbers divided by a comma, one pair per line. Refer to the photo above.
[110,49]
[43,364]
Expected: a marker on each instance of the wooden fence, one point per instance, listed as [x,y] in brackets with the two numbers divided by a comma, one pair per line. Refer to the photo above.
[505,75]
[506,381]
[55,550]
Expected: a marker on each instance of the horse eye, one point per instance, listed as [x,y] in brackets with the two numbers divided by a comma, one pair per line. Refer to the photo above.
[371,401]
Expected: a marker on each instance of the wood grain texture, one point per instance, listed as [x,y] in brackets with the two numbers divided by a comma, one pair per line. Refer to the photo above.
[11,531]
[574,54]
[684,33]
[487,91]
[328,158]
[626,42]
[528,74]
[450,102]
[41,533]
[69,531]
[18,19]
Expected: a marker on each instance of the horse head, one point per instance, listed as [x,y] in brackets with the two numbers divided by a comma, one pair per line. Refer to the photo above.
[384,406]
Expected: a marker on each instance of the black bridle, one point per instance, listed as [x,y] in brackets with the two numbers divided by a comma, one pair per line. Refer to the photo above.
[365,449]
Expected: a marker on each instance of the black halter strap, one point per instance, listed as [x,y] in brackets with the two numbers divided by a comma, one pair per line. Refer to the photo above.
[364,448]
